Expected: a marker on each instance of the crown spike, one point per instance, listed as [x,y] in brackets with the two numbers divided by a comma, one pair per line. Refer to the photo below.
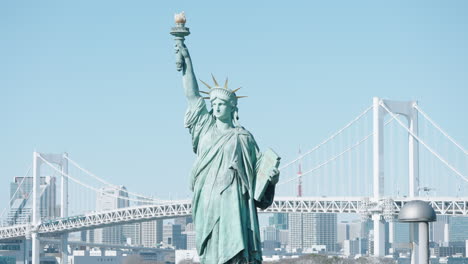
[206,97]
[209,87]
[241,96]
[236,90]
[214,80]
[204,92]
[226,83]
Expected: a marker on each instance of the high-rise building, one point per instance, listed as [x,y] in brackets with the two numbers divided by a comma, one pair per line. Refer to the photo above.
[366,226]
[343,231]
[283,237]
[401,233]
[173,236]
[351,247]
[269,233]
[325,230]
[190,233]
[183,221]
[110,198]
[88,236]
[20,204]
[152,233]
[439,230]
[132,233]
[148,234]
[279,220]
[307,230]
[295,236]
[355,227]
[458,226]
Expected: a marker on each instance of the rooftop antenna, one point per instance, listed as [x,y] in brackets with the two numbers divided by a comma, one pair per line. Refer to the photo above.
[299,174]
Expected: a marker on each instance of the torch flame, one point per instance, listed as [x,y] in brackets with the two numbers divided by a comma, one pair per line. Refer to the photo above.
[180,18]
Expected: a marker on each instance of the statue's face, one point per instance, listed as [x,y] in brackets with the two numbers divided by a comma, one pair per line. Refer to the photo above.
[222,110]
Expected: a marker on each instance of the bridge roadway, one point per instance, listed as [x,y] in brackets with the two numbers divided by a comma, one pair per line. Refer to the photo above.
[359,205]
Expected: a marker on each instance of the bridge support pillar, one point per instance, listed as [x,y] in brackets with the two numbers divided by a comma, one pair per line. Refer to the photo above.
[391,235]
[36,244]
[64,248]
[36,215]
[27,248]
[379,236]
[64,203]
[378,175]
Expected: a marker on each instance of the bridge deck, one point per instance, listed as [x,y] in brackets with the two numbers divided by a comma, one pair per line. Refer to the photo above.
[358,205]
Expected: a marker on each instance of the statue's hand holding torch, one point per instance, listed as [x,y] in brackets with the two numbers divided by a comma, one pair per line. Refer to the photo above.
[180,31]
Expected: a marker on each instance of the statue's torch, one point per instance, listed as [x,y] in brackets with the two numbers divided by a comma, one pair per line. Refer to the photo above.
[179,32]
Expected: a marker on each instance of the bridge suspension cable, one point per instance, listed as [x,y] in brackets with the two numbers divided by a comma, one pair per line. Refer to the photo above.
[328,139]
[115,187]
[359,142]
[98,190]
[14,194]
[440,129]
[424,144]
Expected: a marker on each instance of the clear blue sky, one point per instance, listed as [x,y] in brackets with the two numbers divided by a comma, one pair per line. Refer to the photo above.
[97,79]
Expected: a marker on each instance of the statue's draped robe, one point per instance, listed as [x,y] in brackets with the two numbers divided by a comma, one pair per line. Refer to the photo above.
[223,180]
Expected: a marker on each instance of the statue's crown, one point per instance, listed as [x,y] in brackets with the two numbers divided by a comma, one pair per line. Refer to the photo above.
[224,92]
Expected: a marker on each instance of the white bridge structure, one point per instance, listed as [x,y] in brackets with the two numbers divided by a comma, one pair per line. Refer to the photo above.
[349,172]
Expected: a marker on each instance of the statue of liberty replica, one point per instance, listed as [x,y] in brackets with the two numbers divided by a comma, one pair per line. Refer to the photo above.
[230,177]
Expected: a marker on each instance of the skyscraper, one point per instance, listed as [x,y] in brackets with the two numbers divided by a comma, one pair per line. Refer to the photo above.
[307,230]
[269,233]
[190,233]
[401,234]
[151,233]
[279,220]
[324,226]
[343,231]
[458,226]
[173,236]
[109,198]
[183,221]
[439,230]
[132,233]
[21,205]
[295,236]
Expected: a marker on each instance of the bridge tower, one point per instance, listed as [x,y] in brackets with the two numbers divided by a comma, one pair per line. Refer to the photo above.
[407,109]
[299,180]
[62,161]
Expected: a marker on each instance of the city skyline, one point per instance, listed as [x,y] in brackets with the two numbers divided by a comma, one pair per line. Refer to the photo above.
[285,234]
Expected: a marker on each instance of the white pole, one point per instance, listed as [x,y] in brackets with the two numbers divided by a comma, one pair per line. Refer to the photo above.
[391,235]
[379,236]
[64,187]
[413,163]
[27,247]
[446,232]
[36,207]
[64,203]
[378,174]
[35,248]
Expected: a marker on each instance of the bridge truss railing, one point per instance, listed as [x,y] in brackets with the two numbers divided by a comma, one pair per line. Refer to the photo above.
[357,205]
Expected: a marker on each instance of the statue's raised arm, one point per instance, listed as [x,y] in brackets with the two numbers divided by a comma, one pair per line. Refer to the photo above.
[230,177]
[183,60]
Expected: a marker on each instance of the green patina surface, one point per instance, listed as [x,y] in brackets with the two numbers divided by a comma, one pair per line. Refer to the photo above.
[223,177]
